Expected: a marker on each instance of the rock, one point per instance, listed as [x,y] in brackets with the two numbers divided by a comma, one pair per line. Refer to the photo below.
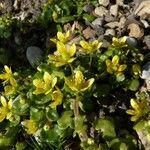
[131,41]
[104,3]
[109,18]
[135,30]
[89,33]
[101,11]
[114,10]
[88,8]
[143,10]
[112,24]
[98,21]
[143,136]
[18,39]
[146,71]
[105,42]
[147,81]
[110,32]
[119,2]
[34,55]
[122,22]
[99,30]
[145,23]
[147,41]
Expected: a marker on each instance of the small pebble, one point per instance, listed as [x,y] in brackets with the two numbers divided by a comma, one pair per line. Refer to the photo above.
[98,21]
[114,10]
[88,8]
[34,55]
[131,41]
[110,32]
[104,3]
[146,71]
[101,11]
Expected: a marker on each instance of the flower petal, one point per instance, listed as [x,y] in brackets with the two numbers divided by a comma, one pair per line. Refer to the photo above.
[122,67]
[79,78]
[7,69]
[72,50]
[60,36]
[10,104]
[47,78]
[3,101]
[87,84]
[134,104]
[115,60]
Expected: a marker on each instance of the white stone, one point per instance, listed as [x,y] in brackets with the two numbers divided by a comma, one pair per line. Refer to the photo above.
[104,2]
[101,11]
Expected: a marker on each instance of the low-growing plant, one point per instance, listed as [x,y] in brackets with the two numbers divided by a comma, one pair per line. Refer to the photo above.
[60,105]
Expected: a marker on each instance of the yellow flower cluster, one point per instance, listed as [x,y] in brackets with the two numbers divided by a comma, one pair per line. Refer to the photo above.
[5,109]
[77,82]
[90,47]
[113,67]
[138,109]
[9,79]
[45,85]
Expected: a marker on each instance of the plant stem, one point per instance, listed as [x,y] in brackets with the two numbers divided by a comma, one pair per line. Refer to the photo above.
[90,63]
[76,106]
[72,71]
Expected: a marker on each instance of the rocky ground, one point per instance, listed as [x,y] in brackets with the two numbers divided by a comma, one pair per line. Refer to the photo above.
[113,18]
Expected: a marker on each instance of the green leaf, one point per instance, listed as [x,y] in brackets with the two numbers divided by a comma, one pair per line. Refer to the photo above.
[80,127]
[36,114]
[52,114]
[134,85]
[88,17]
[66,120]
[139,126]
[106,126]
[51,135]
[65,19]
[120,77]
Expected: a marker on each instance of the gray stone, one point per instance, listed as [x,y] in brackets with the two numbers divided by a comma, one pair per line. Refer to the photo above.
[34,55]
[131,41]
[98,21]
[99,30]
[109,18]
[110,32]
[146,71]
[114,10]
[112,24]
[104,2]
[147,41]
[101,11]
[88,8]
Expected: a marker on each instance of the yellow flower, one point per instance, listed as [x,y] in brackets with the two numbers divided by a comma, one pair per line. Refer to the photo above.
[9,89]
[119,42]
[57,98]
[63,55]
[5,110]
[8,76]
[90,47]
[30,126]
[61,37]
[45,85]
[77,83]
[138,109]
[113,67]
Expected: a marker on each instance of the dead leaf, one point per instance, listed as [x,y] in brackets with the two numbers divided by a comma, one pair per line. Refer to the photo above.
[135,30]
